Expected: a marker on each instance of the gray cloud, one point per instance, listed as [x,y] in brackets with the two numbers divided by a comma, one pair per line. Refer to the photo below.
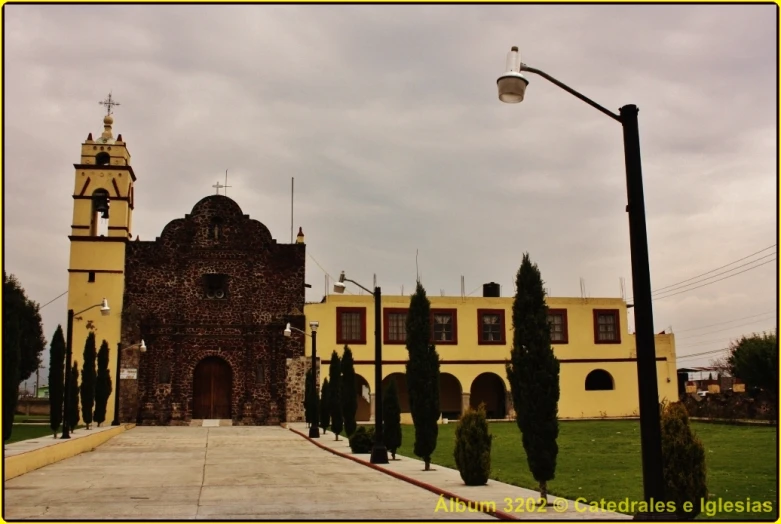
[388,118]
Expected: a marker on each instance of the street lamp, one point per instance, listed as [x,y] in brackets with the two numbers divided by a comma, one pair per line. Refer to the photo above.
[314,429]
[142,348]
[379,452]
[512,87]
[104,310]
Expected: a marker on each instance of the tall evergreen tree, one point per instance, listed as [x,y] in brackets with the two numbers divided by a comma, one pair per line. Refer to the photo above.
[533,373]
[11,362]
[72,410]
[32,343]
[102,384]
[56,380]
[349,395]
[391,419]
[325,406]
[88,375]
[422,376]
[335,374]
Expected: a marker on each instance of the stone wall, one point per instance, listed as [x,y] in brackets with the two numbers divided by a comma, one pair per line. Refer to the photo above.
[33,406]
[297,369]
[731,405]
[170,303]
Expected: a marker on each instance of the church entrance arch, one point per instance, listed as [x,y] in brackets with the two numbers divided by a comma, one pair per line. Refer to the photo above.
[212,389]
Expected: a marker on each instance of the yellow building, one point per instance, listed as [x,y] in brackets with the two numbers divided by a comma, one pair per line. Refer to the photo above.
[473,337]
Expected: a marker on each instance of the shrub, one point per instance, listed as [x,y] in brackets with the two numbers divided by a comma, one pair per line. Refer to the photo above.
[683,460]
[473,447]
[391,419]
[362,440]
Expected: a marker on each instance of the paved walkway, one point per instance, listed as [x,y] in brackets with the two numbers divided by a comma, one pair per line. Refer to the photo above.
[240,473]
[509,499]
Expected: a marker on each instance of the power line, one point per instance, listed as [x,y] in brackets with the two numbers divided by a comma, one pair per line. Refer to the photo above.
[324,271]
[717,274]
[52,300]
[719,280]
[712,270]
[722,323]
[726,329]
[700,355]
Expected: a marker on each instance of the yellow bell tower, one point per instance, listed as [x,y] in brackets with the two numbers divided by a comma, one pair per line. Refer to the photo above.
[102,218]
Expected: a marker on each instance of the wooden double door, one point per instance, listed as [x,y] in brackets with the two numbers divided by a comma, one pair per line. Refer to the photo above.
[212,389]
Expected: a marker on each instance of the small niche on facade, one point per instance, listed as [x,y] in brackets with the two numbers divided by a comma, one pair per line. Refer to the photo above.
[215,286]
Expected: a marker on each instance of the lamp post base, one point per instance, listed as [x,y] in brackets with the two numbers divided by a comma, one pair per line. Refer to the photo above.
[379,454]
[314,431]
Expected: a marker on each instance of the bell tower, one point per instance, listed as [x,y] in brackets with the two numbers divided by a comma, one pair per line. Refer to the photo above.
[102,221]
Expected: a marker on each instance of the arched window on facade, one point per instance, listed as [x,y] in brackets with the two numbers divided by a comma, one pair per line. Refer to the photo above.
[100,211]
[164,373]
[599,380]
[102,158]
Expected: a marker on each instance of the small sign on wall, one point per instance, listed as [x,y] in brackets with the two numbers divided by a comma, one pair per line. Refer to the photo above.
[128,373]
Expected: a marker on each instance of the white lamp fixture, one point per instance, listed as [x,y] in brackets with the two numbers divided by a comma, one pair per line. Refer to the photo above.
[314,325]
[142,347]
[339,286]
[512,84]
[288,331]
[104,309]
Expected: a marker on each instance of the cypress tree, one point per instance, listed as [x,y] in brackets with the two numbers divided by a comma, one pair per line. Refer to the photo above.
[533,373]
[349,396]
[422,376]
[102,384]
[56,380]
[683,461]
[473,447]
[12,356]
[391,419]
[335,374]
[72,411]
[325,406]
[88,376]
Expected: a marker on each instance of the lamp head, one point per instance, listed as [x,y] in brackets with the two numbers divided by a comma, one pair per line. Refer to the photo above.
[288,331]
[339,287]
[142,347]
[104,309]
[314,325]
[512,84]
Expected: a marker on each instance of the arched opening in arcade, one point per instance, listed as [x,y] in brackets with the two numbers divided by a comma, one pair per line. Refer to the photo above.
[450,396]
[488,388]
[362,391]
[401,388]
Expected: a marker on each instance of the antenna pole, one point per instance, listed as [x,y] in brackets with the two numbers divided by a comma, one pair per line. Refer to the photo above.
[292,189]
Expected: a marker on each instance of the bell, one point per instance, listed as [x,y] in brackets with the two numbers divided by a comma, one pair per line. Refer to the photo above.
[102,205]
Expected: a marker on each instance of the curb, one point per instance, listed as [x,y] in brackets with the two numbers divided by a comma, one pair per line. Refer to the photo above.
[33,459]
[434,489]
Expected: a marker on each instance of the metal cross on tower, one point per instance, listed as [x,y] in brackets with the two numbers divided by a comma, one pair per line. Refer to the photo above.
[218,186]
[109,103]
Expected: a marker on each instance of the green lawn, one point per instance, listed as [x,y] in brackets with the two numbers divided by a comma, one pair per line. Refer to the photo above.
[29,431]
[30,418]
[601,459]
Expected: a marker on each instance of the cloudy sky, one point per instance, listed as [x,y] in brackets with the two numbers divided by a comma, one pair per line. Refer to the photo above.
[388,118]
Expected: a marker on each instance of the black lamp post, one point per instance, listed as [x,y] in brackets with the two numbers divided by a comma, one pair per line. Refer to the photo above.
[512,87]
[142,347]
[314,428]
[379,451]
[104,310]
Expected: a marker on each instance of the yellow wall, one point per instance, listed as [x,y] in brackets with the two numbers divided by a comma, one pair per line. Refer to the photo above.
[103,255]
[476,359]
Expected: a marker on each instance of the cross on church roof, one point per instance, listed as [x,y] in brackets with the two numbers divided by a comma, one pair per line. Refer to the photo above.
[109,102]
[219,186]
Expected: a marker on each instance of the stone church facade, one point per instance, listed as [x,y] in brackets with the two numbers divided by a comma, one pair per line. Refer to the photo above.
[211,298]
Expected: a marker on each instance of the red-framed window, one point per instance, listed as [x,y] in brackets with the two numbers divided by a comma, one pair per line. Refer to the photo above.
[351,325]
[607,327]
[444,327]
[394,325]
[559,331]
[491,328]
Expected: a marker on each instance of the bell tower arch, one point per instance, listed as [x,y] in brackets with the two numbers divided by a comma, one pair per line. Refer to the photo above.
[101,227]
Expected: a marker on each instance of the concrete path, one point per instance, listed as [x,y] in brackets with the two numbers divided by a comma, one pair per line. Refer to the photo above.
[212,473]
[518,503]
